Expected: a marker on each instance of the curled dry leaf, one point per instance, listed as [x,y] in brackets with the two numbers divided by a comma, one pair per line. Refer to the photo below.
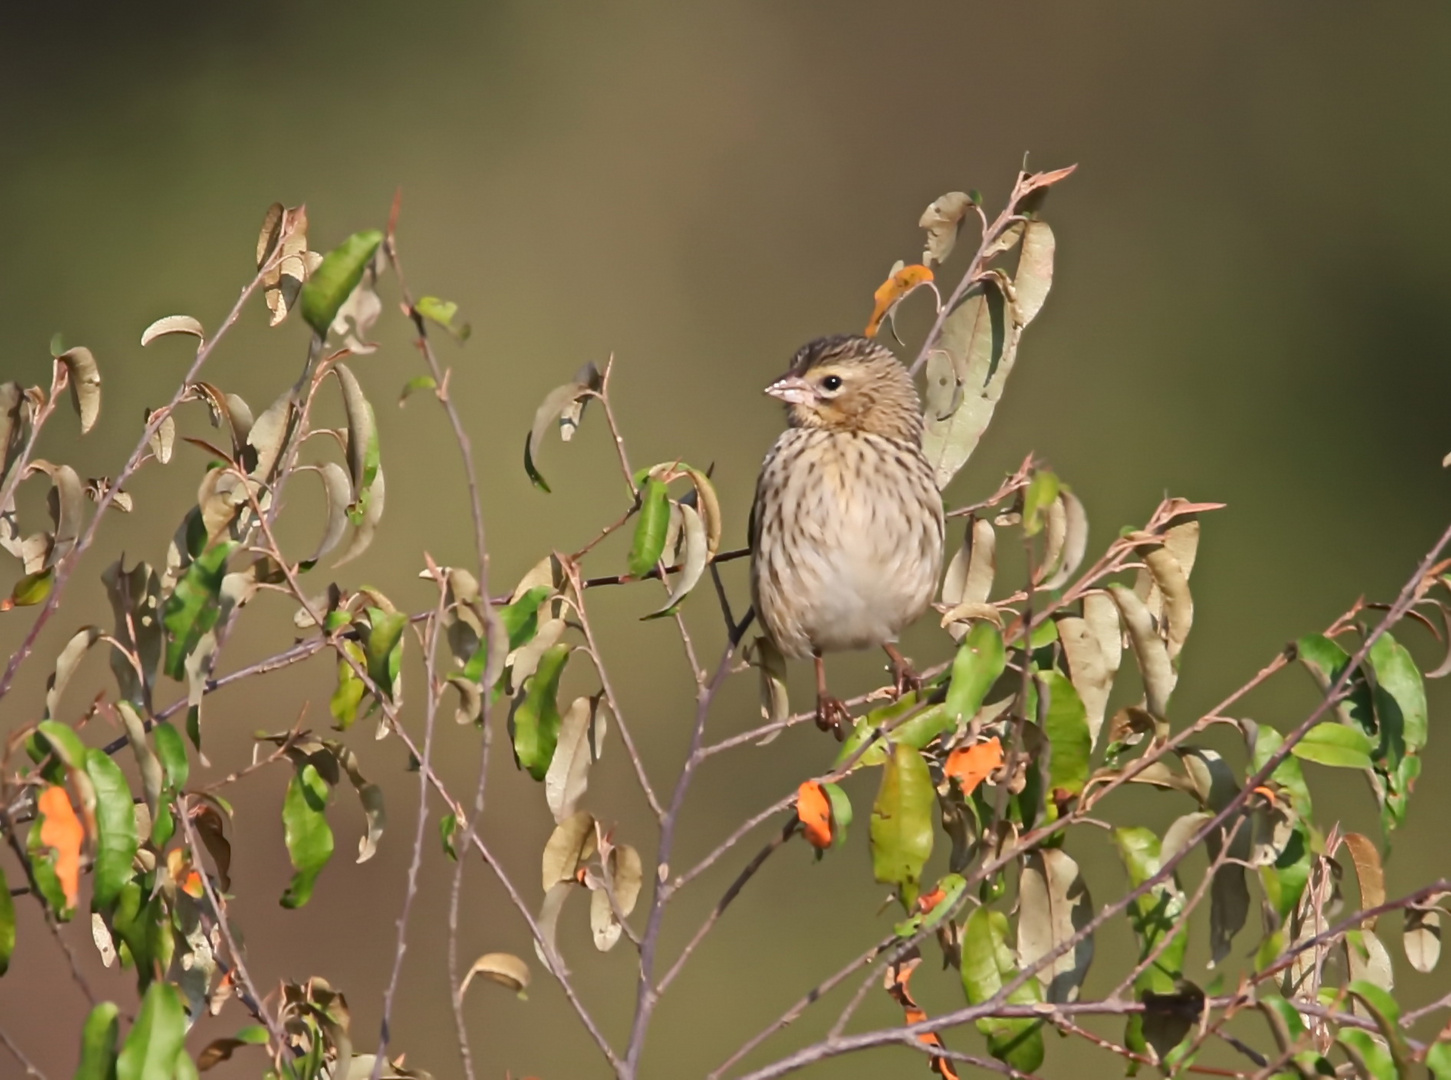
[969,578]
[368,526]
[696,553]
[624,875]
[506,969]
[775,707]
[1153,656]
[1035,272]
[943,221]
[891,292]
[1068,519]
[1368,872]
[85,383]
[1054,907]
[359,312]
[1422,938]
[66,503]
[336,489]
[569,847]
[66,663]
[284,276]
[966,375]
[566,405]
[162,438]
[568,777]
[1177,604]
[173,324]
[1087,667]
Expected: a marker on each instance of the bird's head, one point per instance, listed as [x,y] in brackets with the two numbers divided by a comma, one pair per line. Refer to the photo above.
[850,383]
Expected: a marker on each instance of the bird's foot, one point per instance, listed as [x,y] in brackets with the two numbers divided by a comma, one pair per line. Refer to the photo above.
[905,679]
[831,715]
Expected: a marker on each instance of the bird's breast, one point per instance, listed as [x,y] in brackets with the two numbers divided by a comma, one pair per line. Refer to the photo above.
[848,540]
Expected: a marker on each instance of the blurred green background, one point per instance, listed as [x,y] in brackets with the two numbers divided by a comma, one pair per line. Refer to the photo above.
[1249,307]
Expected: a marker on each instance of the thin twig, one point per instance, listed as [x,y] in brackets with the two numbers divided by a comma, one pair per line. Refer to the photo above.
[430,715]
[277,1040]
[646,994]
[15,1052]
[725,901]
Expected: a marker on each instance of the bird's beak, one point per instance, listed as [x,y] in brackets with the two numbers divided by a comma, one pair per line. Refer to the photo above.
[792,389]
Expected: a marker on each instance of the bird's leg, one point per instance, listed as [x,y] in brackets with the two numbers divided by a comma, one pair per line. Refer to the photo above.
[904,678]
[831,714]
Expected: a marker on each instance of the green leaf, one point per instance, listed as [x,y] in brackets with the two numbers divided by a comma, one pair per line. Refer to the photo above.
[157,1038]
[988,964]
[172,751]
[7,924]
[383,646]
[98,1044]
[343,705]
[840,812]
[1066,725]
[654,522]
[442,312]
[308,837]
[1387,1016]
[1335,744]
[64,742]
[30,590]
[934,721]
[1370,1057]
[116,842]
[415,384]
[1400,696]
[336,277]
[1327,661]
[901,829]
[1438,1060]
[979,661]
[193,606]
[1285,881]
[1288,774]
[447,829]
[534,721]
[1042,491]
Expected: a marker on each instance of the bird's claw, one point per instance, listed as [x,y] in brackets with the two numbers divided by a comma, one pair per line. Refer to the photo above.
[831,715]
[905,680]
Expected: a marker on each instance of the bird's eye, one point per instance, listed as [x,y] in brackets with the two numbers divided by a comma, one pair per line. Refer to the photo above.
[831,383]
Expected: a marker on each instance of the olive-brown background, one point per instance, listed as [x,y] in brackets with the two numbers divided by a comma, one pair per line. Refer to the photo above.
[1249,307]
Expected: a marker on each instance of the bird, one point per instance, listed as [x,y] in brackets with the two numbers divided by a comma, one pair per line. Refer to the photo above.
[846,529]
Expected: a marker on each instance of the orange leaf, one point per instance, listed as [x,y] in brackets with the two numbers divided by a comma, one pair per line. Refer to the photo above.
[813,810]
[971,765]
[61,829]
[927,901]
[892,290]
[896,982]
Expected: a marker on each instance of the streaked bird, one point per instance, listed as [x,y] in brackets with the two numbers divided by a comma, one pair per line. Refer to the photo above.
[846,529]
